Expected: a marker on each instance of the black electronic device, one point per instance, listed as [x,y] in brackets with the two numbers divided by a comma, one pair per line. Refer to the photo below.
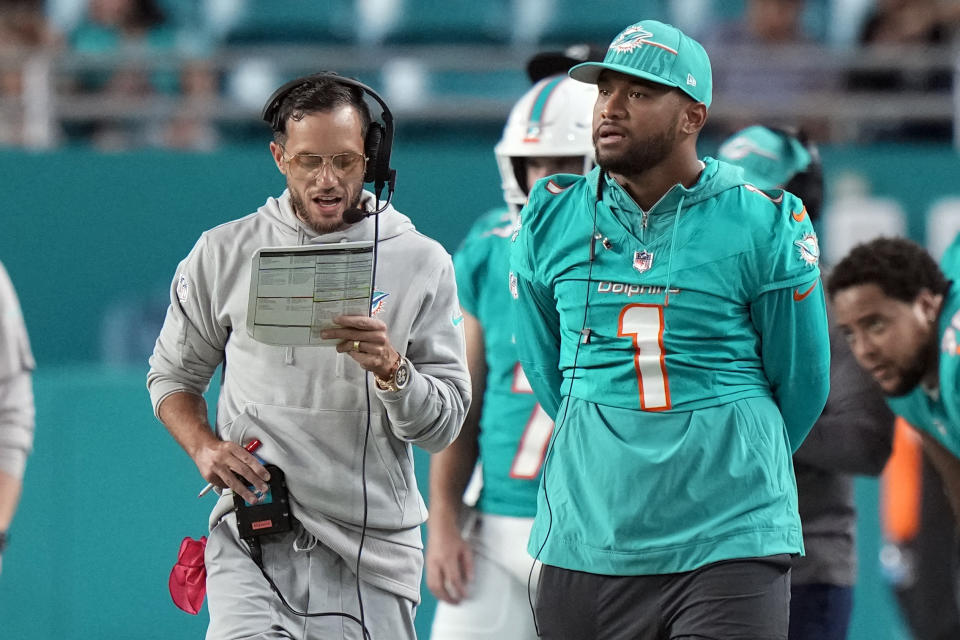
[271,514]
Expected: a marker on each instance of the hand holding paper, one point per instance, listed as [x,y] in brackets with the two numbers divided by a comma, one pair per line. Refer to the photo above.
[365,340]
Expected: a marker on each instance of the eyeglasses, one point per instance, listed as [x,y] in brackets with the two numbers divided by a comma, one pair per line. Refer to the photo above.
[306,166]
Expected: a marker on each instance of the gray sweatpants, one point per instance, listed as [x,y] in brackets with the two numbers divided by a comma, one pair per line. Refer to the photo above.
[314,580]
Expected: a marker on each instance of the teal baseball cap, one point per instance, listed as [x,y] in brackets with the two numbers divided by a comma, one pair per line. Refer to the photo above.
[657,52]
[770,158]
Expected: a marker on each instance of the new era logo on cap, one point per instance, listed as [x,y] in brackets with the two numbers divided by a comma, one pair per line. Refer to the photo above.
[657,52]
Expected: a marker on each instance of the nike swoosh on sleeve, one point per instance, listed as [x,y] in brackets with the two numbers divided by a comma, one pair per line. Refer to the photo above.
[800,216]
[797,296]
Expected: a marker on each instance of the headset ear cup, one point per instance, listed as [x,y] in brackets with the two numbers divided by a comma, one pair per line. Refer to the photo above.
[371,147]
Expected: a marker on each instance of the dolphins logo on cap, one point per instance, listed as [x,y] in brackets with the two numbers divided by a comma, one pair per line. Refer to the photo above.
[634,37]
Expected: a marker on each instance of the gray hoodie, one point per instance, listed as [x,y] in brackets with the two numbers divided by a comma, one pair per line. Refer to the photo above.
[307,405]
[16,387]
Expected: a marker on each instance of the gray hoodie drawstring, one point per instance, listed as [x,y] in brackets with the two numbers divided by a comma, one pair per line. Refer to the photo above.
[305,541]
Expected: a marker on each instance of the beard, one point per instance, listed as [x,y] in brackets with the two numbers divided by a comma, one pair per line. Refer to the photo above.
[914,375]
[640,156]
[324,226]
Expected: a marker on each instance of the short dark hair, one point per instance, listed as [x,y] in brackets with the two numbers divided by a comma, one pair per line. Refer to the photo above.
[901,267]
[320,95]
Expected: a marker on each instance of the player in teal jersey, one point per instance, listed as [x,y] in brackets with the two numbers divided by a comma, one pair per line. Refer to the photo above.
[477,564]
[670,318]
[901,314]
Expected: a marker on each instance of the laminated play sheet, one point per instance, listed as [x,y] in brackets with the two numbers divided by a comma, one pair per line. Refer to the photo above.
[296,292]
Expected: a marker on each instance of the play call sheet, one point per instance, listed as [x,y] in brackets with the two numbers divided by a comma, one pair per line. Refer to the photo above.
[296,292]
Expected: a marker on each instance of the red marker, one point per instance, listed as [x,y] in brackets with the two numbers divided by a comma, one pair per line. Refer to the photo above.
[251,446]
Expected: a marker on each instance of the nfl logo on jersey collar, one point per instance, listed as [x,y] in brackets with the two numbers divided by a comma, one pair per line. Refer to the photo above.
[642,260]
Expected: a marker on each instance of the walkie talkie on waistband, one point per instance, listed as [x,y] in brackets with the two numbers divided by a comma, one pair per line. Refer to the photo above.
[268,516]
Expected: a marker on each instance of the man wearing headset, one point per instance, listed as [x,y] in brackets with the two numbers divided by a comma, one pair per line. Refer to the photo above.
[854,434]
[477,564]
[16,404]
[339,422]
[671,321]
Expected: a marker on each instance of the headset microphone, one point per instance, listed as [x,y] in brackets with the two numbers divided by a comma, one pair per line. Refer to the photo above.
[354,215]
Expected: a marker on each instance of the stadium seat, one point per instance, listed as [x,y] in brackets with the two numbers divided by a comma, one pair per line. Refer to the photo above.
[445,22]
[943,224]
[505,84]
[293,22]
[570,20]
[857,219]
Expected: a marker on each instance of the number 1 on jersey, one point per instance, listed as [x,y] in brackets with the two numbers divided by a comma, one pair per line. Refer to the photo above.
[644,324]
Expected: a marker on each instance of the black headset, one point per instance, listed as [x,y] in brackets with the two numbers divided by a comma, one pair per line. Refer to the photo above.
[379,139]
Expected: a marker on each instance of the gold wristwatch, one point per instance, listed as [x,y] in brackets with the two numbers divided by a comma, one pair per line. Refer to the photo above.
[398,377]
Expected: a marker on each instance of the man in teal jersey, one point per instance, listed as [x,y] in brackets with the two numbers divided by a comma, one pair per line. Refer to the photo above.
[901,314]
[670,318]
[477,564]
[854,434]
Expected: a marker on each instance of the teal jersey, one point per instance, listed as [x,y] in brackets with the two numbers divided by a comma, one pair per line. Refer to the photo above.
[950,261]
[939,415]
[684,352]
[514,429]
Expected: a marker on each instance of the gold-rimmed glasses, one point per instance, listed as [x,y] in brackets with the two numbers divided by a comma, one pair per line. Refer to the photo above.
[307,166]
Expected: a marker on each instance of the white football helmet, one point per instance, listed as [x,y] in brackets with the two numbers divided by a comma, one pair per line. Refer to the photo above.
[553,119]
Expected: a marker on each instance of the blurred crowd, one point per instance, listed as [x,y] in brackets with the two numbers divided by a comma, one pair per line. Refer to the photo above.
[117,59]
[122,74]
